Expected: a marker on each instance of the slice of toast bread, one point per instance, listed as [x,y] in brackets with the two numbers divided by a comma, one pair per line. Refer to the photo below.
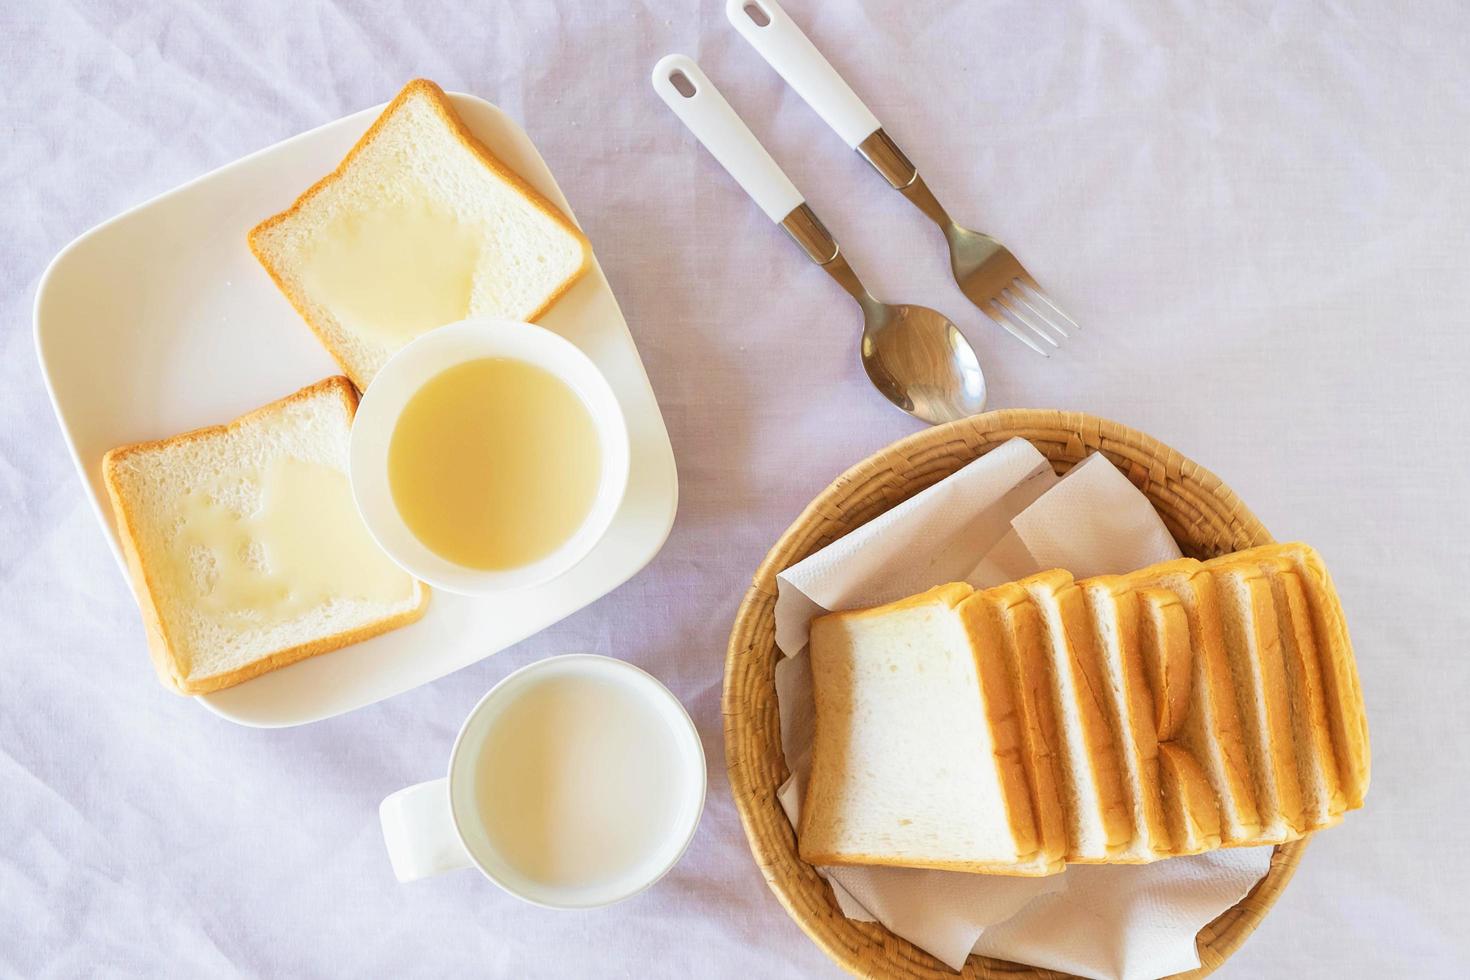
[1104,815]
[1258,669]
[1012,624]
[192,516]
[1212,730]
[1115,612]
[1167,658]
[1347,719]
[1190,804]
[420,225]
[905,769]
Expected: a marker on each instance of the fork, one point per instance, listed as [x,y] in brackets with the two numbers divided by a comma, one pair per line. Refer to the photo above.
[987,273]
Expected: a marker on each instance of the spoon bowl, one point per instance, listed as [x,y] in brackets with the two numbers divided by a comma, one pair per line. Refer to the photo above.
[918,359]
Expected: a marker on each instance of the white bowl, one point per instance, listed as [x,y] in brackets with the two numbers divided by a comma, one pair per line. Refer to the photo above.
[406,373]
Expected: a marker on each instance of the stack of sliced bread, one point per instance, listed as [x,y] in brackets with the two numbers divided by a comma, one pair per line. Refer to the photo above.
[1120,719]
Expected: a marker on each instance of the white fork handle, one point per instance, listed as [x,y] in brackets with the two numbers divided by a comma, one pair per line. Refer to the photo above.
[716,125]
[797,60]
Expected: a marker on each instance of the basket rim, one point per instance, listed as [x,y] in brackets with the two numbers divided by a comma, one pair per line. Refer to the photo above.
[869,949]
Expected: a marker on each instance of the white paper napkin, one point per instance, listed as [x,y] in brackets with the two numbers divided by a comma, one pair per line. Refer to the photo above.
[1002,517]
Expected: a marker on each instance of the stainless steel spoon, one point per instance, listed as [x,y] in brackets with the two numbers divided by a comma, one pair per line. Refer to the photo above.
[915,356]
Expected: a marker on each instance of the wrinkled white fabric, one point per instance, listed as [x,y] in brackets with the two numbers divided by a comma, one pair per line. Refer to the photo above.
[1258,211]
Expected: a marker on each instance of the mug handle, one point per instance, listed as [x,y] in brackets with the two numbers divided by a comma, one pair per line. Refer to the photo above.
[419,830]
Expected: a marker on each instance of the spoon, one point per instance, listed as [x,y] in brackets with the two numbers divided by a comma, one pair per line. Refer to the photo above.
[914,356]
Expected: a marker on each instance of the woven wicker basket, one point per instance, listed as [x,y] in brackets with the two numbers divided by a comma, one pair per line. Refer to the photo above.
[1204,516]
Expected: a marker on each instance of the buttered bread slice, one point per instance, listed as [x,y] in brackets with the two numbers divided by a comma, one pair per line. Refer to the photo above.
[244,545]
[908,765]
[421,225]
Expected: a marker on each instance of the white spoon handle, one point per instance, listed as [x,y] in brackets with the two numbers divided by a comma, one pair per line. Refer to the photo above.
[710,118]
[797,60]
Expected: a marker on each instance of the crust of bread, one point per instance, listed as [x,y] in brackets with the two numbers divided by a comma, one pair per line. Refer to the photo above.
[1189,802]
[1212,727]
[889,861]
[445,110]
[1258,654]
[1094,708]
[1137,734]
[1339,671]
[951,594]
[1008,740]
[1309,703]
[1167,658]
[1009,626]
[168,661]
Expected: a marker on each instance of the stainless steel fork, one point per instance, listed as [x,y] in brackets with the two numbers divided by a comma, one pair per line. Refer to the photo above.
[987,273]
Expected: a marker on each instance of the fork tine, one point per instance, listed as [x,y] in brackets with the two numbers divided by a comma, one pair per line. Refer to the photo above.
[1017,296]
[1038,293]
[1003,318]
[1009,305]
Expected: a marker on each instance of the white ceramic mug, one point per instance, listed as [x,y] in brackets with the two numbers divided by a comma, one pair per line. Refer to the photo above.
[407,372]
[437,826]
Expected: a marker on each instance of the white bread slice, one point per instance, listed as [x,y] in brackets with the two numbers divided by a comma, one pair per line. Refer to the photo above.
[1005,618]
[1339,671]
[906,769]
[1253,647]
[1167,658]
[1115,614]
[1100,816]
[1322,799]
[418,154]
[1212,730]
[1190,804]
[156,487]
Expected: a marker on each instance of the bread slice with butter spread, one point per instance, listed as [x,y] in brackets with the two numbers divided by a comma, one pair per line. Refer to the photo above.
[421,225]
[245,548]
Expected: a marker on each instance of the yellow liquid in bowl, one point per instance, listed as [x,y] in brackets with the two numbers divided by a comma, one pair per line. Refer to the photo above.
[494,463]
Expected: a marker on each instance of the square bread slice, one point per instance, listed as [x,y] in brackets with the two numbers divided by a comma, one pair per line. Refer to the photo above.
[1115,612]
[1212,730]
[1100,813]
[1005,618]
[1167,658]
[1253,647]
[906,767]
[244,545]
[1322,799]
[1346,716]
[420,225]
[1190,805]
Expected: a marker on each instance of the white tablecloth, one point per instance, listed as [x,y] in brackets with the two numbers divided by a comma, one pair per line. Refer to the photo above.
[1258,211]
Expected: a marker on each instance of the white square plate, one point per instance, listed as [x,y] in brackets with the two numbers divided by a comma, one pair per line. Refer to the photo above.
[160,321]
